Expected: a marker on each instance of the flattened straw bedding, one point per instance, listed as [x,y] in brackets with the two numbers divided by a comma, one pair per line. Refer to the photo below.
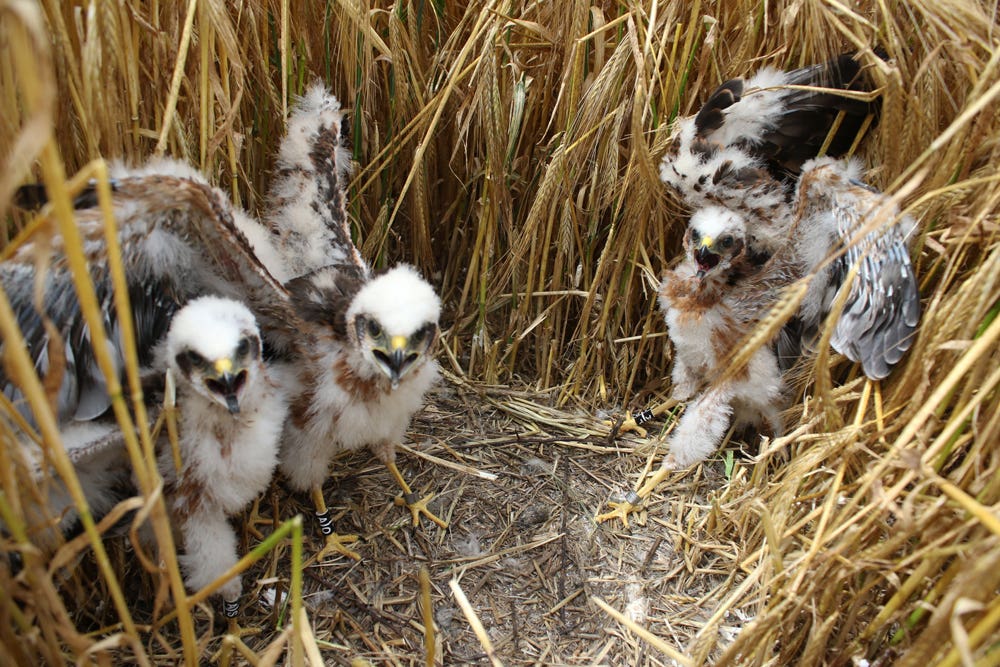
[511,153]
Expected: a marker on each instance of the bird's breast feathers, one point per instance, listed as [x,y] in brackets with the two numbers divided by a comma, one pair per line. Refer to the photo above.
[352,410]
[682,291]
[703,328]
[386,418]
[233,456]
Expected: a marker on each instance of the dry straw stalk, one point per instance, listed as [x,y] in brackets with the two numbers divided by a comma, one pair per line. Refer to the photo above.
[510,151]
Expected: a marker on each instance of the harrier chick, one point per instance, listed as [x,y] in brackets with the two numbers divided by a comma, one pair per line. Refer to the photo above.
[366,362]
[766,215]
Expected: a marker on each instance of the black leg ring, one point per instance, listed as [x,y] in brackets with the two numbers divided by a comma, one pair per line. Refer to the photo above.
[642,416]
[325,522]
[231,608]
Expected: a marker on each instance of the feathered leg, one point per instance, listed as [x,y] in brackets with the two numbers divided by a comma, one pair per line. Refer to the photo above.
[210,551]
[702,427]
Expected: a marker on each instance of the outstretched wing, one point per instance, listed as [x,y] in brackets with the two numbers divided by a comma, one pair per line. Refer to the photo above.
[180,238]
[307,206]
[810,117]
[776,119]
[58,339]
[745,146]
[881,311]
[33,196]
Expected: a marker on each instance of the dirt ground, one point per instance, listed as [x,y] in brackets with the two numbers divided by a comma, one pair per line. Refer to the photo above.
[523,546]
[520,483]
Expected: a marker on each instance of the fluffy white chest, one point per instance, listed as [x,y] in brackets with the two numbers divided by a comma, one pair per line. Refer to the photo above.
[693,334]
[348,418]
[693,327]
[232,457]
[343,410]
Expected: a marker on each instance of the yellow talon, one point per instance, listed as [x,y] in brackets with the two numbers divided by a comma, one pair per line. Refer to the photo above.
[633,499]
[418,507]
[336,544]
[232,641]
[621,510]
[632,420]
[628,425]
[256,519]
[409,498]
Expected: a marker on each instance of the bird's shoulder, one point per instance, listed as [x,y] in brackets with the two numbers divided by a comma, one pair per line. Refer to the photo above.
[322,297]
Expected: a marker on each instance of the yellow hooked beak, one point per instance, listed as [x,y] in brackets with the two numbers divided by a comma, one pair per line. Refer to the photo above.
[396,360]
[226,383]
[705,256]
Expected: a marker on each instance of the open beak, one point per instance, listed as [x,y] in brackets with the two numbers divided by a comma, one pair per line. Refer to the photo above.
[705,257]
[226,383]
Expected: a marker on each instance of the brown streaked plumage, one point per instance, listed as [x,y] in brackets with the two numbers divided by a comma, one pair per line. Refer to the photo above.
[768,213]
[367,361]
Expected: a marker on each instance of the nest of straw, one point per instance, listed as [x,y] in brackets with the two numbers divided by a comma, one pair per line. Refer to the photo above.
[511,152]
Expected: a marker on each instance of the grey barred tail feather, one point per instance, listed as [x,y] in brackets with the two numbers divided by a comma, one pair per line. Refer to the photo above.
[882,308]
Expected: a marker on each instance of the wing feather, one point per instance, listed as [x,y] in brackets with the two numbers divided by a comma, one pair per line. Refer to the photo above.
[307,206]
[882,307]
[180,238]
[745,146]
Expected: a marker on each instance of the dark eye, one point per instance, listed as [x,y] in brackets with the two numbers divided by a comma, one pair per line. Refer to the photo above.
[695,237]
[423,334]
[242,347]
[374,330]
[726,241]
[189,359]
[194,359]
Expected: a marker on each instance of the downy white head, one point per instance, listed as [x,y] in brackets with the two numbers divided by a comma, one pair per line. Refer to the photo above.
[393,321]
[213,346]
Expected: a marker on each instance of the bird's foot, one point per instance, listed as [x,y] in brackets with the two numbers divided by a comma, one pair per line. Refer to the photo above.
[633,422]
[233,639]
[413,502]
[335,542]
[232,611]
[632,504]
[418,506]
[633,499]
[256,519]
[238,631]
